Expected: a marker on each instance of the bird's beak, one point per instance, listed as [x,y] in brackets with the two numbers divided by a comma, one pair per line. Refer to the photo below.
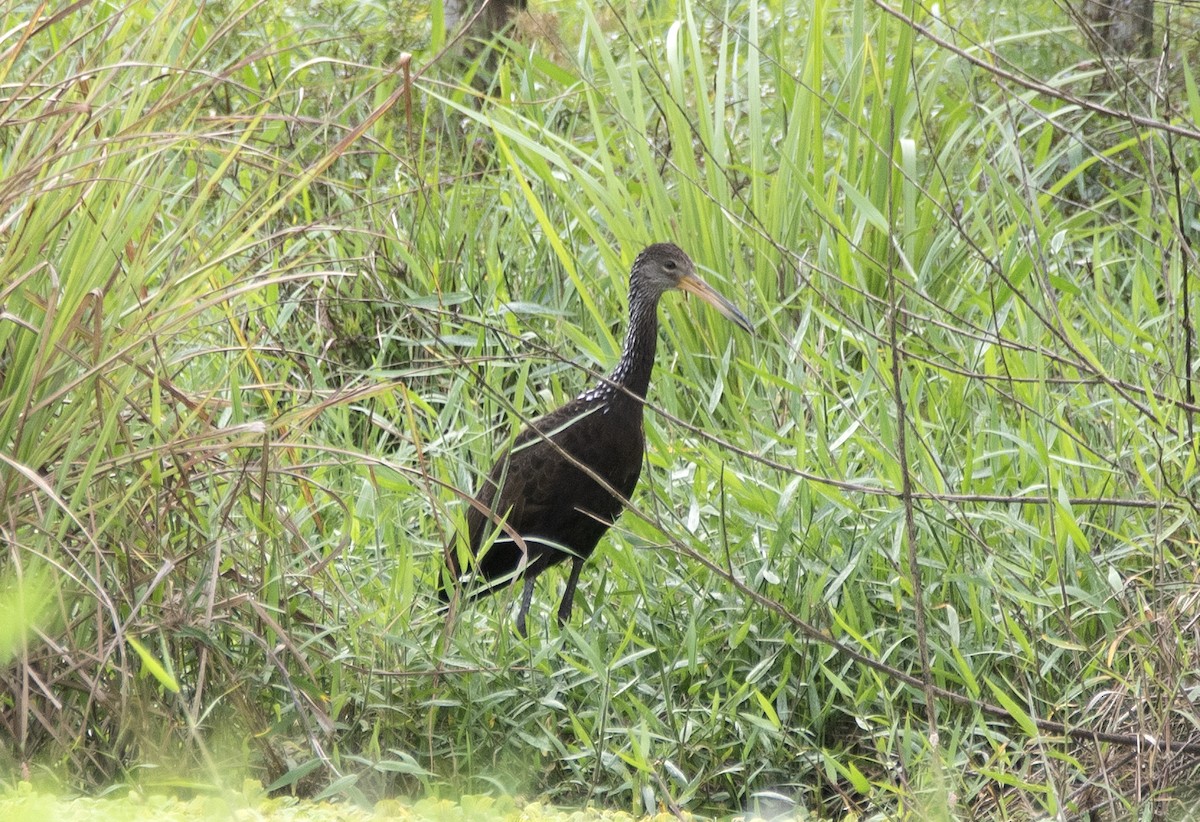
[692,284]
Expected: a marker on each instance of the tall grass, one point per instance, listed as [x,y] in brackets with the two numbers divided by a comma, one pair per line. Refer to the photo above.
[141,386]
[923,544]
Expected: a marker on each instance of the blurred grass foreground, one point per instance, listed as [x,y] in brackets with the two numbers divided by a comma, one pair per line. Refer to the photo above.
[278,279]
[24,804]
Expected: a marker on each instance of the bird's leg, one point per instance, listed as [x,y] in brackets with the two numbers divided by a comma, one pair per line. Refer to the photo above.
[526,599]
[568,600]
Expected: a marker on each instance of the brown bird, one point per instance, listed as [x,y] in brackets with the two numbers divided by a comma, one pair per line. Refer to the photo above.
[567,475]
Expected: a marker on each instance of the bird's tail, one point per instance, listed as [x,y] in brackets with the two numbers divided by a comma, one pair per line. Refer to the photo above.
[451,582]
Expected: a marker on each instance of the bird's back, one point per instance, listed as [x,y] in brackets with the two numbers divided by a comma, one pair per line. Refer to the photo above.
[546,495]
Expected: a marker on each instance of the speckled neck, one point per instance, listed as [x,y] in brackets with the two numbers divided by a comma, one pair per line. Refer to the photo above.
[632,371]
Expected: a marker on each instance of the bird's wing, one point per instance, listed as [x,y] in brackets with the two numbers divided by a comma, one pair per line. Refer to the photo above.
[541,480]
[538,489]
[544,474]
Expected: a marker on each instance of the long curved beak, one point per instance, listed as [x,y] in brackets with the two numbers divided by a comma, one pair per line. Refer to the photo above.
[692,284]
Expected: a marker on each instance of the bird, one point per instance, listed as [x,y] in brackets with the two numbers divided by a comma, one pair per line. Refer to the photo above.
[565,478]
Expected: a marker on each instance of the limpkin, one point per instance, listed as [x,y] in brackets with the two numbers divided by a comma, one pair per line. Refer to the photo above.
[566,477]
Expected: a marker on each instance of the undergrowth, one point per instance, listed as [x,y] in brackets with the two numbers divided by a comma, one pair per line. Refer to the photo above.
[272,295]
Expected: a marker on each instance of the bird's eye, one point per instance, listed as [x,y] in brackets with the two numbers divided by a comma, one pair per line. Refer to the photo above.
[670,265]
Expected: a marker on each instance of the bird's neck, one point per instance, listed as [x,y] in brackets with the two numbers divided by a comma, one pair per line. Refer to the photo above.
[632,372]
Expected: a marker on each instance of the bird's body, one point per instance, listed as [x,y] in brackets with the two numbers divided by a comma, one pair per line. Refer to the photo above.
[568,474]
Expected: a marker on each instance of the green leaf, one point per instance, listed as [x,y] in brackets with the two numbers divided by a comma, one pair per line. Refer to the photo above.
[153,666]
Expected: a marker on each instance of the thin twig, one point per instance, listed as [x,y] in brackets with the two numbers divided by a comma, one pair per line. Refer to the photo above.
[906,489]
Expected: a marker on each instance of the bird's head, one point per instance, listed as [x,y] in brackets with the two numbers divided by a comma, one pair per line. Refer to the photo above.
[664,266]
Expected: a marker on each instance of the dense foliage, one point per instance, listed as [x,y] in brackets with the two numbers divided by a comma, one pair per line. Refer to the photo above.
[271,296]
